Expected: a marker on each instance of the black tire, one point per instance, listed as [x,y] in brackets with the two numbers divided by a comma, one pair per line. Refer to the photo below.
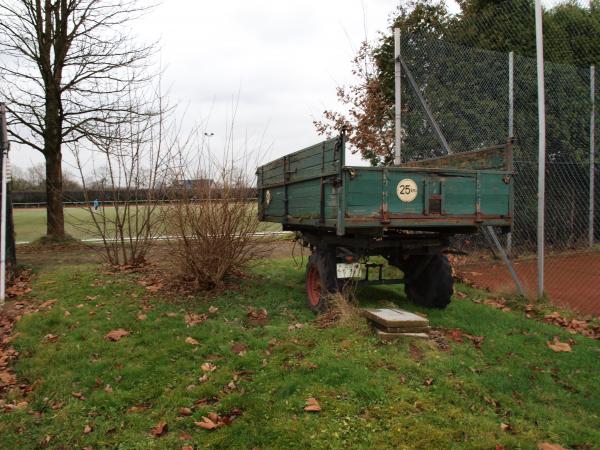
[323,263]
[428,281]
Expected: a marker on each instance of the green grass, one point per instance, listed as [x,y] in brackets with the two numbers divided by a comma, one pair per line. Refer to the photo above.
[372,394]
[30,223]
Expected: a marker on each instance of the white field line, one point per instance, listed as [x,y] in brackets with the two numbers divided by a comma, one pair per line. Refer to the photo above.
[165,238]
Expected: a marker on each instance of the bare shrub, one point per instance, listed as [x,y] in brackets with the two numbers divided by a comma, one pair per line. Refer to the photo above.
[123,188]
[212,222]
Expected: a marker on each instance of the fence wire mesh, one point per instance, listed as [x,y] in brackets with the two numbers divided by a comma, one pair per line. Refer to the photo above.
[471,97]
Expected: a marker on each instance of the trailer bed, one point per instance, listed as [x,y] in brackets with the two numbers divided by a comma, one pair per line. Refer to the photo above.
[313,190]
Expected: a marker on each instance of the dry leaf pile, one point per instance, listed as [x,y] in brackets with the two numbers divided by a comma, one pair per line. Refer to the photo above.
[20,285]
[10,314]
[574,326]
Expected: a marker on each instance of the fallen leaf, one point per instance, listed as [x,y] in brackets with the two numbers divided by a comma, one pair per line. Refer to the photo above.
[142,316]
[48,303]
[51,338]
[206,423]
[116,335]
[191,341]
[187,447]
[558,346]
[499,304]
[238,347]
[185,411]
[259,317]
[138,408]
[192,319]
[312,405]
[213,309]
[155,287]
[208,367]
[415,352]
[505,426]
[203,378]
[460,294]
[108,389]
[160,429]
[67,313]
[428,381]
[87,429]
[549,446]
[477,341]
[78,395]
[455,335]
[185,436]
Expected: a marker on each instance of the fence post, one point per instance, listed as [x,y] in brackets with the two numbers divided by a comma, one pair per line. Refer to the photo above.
[592,151]
[3,221]
[511,124]
[398,97]
[539,47]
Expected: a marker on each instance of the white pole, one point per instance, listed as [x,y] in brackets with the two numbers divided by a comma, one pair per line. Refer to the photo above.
[4,150]
[511,123]
[592,151]
[511,95]
[398,101]
[539,41]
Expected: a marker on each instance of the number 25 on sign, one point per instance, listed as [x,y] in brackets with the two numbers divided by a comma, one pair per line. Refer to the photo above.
[407,190]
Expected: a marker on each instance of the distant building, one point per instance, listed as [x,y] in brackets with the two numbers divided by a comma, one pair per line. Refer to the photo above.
[198,183]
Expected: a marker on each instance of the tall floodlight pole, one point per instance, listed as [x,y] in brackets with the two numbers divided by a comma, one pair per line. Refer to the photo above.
[539,47]
[398,99]
[3,221]
[592,151]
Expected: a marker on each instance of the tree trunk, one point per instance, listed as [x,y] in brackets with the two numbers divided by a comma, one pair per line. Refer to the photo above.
[55,224]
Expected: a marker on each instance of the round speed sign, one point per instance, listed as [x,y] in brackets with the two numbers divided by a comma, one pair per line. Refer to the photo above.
[407,190]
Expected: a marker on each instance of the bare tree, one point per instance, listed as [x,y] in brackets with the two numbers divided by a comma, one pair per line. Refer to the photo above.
[64,66]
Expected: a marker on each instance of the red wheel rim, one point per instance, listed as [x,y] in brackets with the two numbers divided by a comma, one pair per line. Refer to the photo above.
[313,286]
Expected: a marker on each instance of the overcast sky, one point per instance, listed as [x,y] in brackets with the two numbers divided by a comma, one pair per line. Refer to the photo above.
[283,58]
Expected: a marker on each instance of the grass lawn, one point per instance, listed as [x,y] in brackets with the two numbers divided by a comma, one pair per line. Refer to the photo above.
[407,394]
[30,223]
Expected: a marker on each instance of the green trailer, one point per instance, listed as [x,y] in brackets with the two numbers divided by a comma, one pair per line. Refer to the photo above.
[405,213]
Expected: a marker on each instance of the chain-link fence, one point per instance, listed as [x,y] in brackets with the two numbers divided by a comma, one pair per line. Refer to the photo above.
[481,98]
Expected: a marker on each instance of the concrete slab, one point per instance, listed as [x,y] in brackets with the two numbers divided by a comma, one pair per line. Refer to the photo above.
[393,336]
[411,329]
[395,318]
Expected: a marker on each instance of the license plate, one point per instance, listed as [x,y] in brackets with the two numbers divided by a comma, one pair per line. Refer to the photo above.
[348,270]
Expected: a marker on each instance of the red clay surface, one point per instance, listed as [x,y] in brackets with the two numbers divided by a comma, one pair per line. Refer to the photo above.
[571,281]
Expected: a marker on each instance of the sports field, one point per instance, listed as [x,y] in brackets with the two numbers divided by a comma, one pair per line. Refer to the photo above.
[30,223]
